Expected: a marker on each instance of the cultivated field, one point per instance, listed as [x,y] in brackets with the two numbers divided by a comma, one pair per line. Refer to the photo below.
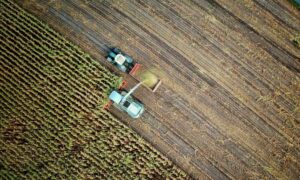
[228,107]
[52,122]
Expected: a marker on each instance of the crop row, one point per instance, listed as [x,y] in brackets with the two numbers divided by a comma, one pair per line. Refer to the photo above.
[52,121]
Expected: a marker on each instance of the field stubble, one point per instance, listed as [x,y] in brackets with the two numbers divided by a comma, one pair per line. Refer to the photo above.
[52,120]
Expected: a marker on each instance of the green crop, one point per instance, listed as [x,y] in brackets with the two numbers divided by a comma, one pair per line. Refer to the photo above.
[52,121]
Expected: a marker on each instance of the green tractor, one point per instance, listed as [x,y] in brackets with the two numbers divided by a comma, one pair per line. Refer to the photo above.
[122,61]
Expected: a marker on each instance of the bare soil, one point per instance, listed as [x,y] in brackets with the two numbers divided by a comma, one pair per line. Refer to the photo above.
[228,107]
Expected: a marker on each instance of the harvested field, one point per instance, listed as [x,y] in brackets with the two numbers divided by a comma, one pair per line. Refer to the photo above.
[52,122]
[228,107]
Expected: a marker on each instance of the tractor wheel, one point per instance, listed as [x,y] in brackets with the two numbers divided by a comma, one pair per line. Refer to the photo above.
[116,50]
[129,59]
[112,54]
[123,68]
